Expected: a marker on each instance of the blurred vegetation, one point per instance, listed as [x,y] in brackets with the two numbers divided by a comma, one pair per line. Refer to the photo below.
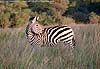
[17,13]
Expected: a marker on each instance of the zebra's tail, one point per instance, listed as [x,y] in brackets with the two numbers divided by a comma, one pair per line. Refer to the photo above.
[74,42]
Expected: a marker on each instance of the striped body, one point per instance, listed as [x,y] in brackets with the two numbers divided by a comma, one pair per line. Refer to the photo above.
[60,34]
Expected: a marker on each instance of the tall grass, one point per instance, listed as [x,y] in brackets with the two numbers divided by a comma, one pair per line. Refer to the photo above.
[15,52]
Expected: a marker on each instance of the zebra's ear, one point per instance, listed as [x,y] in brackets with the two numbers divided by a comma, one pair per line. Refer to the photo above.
[37,18]
[34,20]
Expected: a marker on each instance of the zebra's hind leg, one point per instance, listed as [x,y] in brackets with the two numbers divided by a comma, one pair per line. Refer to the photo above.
[73,42]
[69,44]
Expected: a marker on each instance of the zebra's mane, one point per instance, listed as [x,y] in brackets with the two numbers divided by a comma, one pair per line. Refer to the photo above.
[31,18]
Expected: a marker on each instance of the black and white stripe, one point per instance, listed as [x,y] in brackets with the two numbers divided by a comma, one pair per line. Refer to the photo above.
[51,35]
[33,38]
[60,33]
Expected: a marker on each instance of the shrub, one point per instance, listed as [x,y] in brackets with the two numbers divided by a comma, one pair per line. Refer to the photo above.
[80,17]
[94,18]
[4,20]
[68,20]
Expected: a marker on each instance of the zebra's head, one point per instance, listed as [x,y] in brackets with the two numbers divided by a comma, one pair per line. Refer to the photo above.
[34,25]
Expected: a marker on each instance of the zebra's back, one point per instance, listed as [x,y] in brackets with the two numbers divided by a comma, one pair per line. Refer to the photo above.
[60,33]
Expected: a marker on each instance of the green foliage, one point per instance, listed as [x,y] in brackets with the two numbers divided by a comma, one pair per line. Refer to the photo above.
[16,14]
[39,6]
[4,20]
[80,9]
[94,18]
[79,16]
[46,20]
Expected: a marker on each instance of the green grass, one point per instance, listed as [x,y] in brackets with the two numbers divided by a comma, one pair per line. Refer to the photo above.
[15,52]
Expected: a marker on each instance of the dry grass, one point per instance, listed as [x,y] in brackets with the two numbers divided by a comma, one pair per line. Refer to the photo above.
[15,53]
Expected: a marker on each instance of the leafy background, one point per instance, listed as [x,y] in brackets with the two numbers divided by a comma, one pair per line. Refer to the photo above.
[16,13]
[82,15]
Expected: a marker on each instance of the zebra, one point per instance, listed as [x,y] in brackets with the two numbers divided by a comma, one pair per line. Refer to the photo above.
[37,35]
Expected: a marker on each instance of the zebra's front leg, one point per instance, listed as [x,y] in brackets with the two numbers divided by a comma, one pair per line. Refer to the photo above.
[34,49]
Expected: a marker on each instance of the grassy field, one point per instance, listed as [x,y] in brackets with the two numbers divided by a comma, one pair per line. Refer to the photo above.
[15,52]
